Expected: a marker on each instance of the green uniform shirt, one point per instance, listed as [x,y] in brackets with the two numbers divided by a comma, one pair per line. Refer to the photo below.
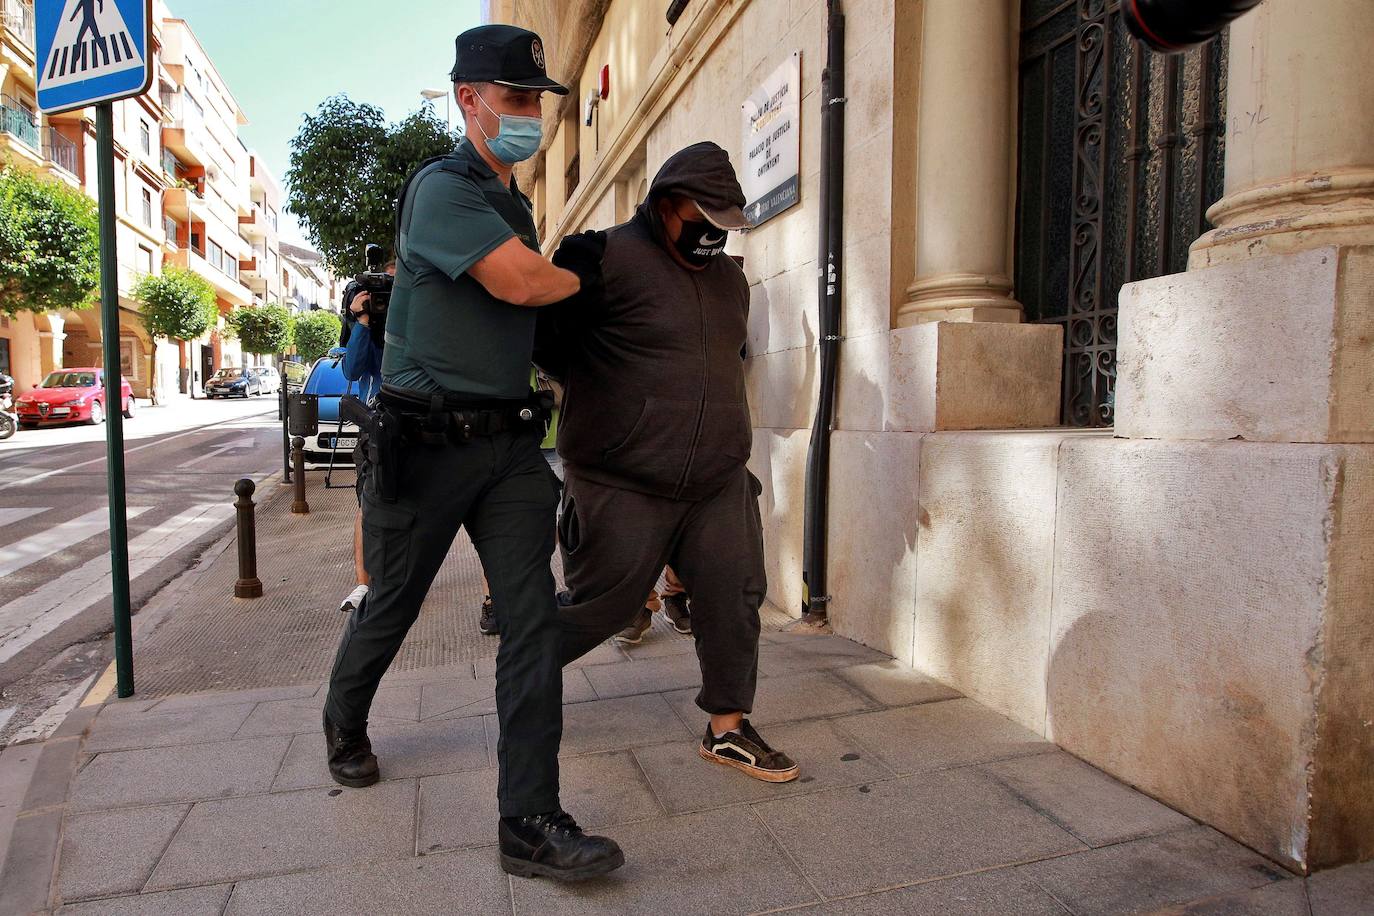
[445,332]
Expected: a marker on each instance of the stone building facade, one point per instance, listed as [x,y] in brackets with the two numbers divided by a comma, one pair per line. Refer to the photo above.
[1102,457]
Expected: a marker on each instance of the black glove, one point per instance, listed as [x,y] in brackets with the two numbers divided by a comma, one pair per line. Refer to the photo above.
[582,254]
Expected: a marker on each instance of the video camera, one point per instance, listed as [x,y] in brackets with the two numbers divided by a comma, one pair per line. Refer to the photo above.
[378,284]
[1171,26]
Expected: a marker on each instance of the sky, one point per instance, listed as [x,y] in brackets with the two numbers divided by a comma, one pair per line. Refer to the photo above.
[281,58]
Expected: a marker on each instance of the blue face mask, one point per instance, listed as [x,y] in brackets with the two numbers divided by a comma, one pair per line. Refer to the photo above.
[517,139]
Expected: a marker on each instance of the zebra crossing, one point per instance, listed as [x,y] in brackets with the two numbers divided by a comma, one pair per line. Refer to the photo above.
[31,616]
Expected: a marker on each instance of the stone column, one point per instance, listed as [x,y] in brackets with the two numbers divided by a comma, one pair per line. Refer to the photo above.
[1299,136]
[966,147]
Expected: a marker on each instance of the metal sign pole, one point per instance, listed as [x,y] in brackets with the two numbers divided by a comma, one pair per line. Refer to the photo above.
[114,402]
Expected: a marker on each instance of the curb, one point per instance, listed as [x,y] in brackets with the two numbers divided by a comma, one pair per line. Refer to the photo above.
[32,834]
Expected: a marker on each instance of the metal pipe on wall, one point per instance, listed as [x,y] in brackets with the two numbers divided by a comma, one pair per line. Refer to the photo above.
[815,594]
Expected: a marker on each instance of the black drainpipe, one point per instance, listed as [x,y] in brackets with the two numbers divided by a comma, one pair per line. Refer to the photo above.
[815,596]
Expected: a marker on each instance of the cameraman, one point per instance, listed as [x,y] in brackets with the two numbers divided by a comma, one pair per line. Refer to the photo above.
[362,363]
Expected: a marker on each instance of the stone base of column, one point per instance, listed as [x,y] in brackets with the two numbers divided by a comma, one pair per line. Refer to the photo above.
[1331,209]
[980,375]
[959,297]
[1272,349]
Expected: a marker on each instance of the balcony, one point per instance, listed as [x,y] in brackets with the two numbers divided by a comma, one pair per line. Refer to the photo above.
[19,123]
[253,226]
[59,150]
[185,204]
[226,287]
[17,16]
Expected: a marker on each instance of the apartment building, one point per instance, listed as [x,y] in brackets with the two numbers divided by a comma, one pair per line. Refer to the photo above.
[188,193]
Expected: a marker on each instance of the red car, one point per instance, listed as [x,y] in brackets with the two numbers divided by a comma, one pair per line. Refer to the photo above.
[70,396]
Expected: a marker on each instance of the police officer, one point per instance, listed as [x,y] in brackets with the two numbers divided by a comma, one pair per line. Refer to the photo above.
[456,443]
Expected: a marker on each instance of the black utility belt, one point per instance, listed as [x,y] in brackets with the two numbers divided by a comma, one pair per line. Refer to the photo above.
[438,417]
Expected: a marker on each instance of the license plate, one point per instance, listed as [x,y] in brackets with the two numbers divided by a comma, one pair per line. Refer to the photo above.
[61,411]
[344,442]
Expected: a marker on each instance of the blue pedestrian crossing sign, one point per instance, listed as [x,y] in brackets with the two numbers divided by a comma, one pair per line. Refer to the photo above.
[92,51]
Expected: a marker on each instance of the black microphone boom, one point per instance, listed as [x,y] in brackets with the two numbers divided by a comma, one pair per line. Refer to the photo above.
[1171,26]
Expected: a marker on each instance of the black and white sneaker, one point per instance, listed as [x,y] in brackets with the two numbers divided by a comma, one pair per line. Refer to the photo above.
[745,750]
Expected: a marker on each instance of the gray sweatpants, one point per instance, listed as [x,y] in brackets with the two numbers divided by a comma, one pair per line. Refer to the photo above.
[614,545]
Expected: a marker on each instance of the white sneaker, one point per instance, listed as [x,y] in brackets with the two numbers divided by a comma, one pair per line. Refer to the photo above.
[355,598]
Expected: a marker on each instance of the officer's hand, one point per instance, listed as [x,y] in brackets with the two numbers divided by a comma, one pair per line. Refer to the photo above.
[359,308]
[582,254]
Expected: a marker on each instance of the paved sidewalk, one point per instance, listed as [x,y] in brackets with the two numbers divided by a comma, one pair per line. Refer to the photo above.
[912,800]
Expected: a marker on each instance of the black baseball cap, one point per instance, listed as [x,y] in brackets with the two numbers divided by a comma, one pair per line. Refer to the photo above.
[505,55]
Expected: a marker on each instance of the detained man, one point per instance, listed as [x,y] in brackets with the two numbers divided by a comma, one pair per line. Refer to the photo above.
[655,434]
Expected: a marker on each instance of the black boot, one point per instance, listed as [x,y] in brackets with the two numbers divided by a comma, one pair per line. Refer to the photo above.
[554,846]
[351,761]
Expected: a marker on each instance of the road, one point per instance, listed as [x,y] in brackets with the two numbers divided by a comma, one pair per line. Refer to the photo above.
[55,607]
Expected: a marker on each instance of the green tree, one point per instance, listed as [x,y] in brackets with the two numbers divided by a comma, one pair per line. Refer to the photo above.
[264,329]
[347,167]
[178,305]
[49,245]
[316,332]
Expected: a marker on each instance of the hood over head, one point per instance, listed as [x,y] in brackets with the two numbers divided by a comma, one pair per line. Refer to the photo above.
[703,173]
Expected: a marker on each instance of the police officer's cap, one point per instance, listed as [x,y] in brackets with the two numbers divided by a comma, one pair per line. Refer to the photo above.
[505,55]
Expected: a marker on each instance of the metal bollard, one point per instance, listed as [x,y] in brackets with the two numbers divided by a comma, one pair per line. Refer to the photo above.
[248,585]
[299,506]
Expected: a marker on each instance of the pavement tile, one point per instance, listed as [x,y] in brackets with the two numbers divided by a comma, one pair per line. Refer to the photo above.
[908,830]
[297,716]
[934,736]
[788,654]
[157,729]
[892,683]
[789,698]
[53,776]
[605,725]
[661,641]
[113,852]
[214,698]
[1085,801]
[1282,898]
[1146,875]
[116,707]
[993,893]
[458,699]
[196,901]
[234,839]
[404,750]
[827,757]
[713,862]
[605,654]
[26,872]
[76,722]
[470,881]
[395,678]
[175,774]
[460,809]
[652,675]
[1342,891]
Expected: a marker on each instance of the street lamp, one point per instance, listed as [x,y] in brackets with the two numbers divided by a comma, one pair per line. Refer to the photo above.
[432,94]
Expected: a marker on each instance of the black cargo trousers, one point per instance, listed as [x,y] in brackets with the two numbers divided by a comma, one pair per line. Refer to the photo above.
[499,488]
[615,543]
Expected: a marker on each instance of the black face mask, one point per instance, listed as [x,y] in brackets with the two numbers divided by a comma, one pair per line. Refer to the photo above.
[699,242]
